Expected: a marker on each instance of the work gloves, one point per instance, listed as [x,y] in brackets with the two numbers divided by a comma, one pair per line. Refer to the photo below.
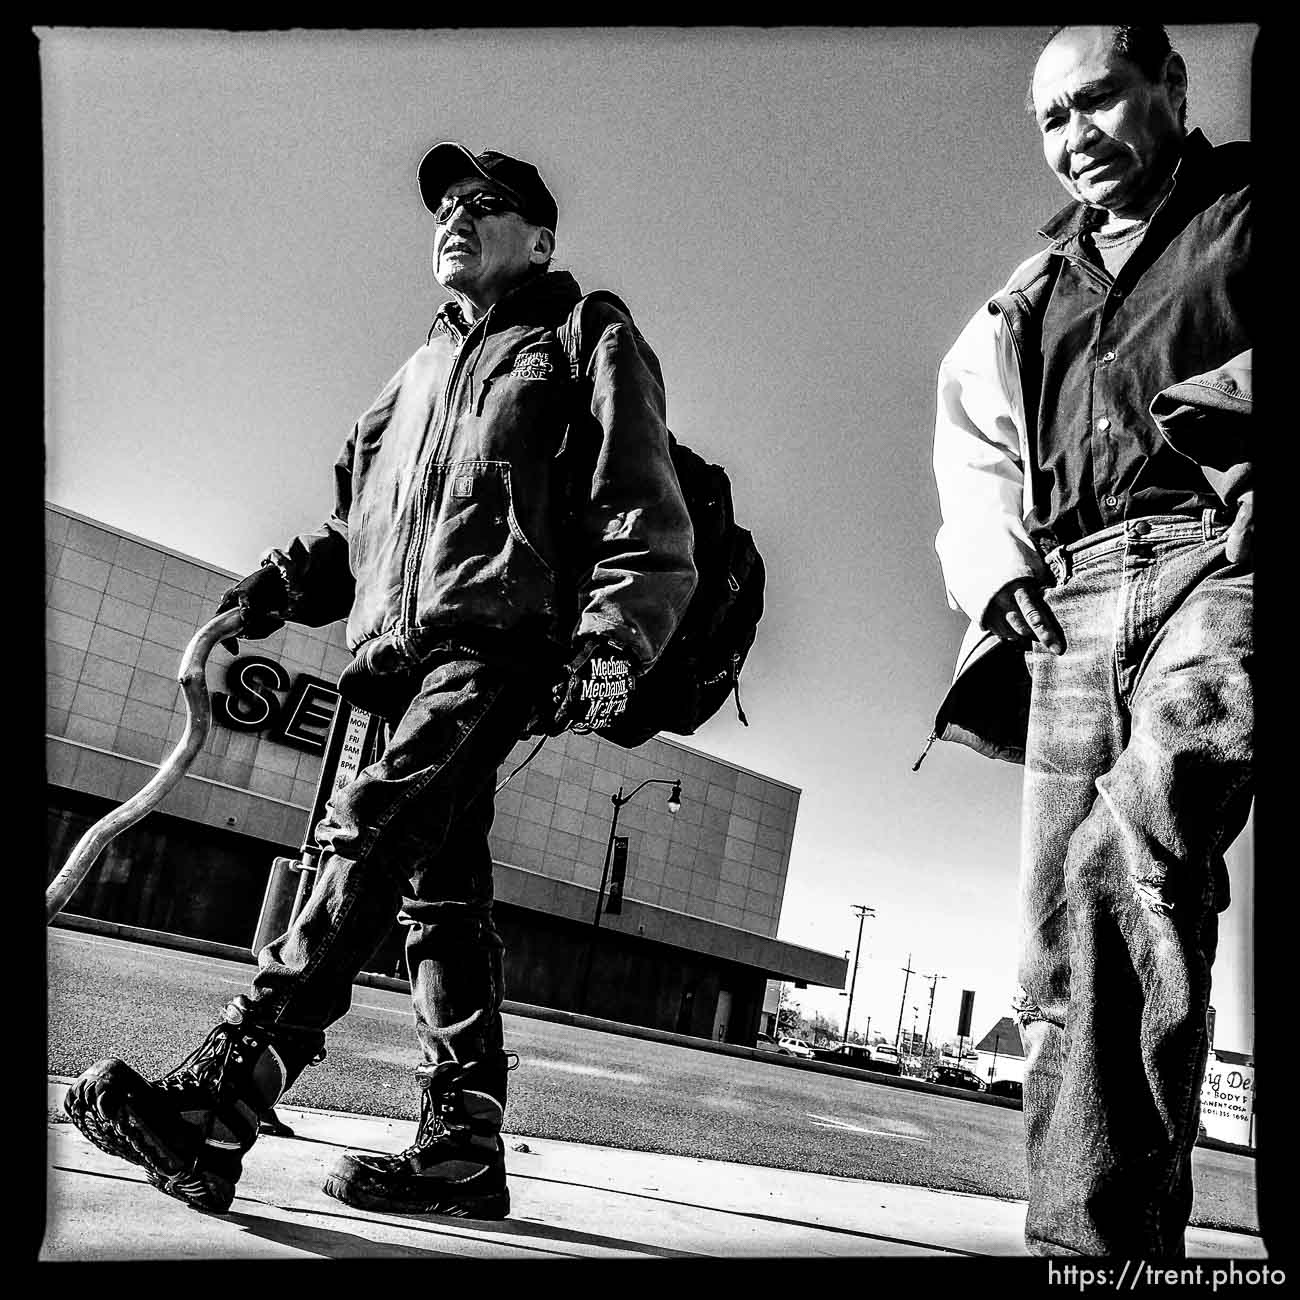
[263,597]
[594,690]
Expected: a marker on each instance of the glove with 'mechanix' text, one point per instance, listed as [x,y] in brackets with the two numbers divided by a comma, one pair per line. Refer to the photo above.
[598,683]
[262,596]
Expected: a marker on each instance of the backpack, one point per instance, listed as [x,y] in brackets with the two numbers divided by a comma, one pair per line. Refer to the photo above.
[700,666]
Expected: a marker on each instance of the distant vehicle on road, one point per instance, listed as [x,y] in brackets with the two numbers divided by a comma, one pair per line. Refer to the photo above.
[766,1043]
[844,1054]
[884,1059]
[954,1077]
[796,1047]
[1007,1088]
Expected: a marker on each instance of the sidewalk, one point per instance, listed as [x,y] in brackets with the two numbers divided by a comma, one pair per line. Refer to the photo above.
[569,1200]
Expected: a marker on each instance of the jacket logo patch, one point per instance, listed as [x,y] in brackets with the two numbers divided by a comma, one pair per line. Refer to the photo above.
[532,365]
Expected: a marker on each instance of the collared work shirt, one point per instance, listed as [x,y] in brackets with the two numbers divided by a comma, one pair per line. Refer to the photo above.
[1178,306]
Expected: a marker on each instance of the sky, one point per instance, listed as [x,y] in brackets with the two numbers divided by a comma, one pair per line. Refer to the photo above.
[801,221]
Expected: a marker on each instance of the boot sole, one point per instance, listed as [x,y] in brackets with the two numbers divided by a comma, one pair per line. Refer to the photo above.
[490,1205]
[102,1106]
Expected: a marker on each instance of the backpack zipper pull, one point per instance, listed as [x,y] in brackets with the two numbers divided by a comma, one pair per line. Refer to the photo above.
[933,737]
[735,687]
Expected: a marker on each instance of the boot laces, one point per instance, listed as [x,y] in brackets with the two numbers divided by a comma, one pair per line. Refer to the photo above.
[432,1126]
[439,1104]
[205,1067]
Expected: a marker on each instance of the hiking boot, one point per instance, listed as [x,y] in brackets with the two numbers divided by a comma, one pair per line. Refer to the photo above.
[456,1165]
[189,1129]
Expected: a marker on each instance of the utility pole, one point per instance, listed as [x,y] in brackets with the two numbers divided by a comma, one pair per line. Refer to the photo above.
[863,913]
[934,983]
[908,972]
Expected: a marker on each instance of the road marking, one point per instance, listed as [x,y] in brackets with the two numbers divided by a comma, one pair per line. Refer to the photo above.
[825,1121]
[112,941]
[596,1070]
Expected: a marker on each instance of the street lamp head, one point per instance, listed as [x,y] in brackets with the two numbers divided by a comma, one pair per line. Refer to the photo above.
[675,798]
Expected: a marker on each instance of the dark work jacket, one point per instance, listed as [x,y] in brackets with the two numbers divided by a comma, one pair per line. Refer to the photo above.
[452,518]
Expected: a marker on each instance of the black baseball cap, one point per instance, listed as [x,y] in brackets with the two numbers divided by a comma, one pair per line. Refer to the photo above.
[448,162]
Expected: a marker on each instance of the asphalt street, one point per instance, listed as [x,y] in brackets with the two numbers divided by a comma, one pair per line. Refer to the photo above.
[151,1006]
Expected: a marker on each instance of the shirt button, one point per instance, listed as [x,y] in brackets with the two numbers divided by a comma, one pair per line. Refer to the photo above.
[1106,357]
[1103,424]
[1112,502]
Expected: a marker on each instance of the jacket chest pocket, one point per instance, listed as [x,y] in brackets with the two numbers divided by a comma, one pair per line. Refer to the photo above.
[518,411]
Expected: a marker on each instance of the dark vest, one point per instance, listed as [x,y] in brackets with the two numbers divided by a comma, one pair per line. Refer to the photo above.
[1180,305]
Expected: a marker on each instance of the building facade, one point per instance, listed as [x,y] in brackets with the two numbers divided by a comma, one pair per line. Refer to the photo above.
[690,950]
[1000,1053]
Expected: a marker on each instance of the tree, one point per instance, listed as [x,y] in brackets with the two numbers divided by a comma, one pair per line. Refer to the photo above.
[822,1030]
[788,1015]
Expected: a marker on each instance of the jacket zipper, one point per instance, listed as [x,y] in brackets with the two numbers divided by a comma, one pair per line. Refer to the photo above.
[956,677]
[419,530]
[921,757]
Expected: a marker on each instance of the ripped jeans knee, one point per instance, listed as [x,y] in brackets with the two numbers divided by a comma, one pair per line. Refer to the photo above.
[1025,1008]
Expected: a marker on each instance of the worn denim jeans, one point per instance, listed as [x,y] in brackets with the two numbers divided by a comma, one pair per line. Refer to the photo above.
[407,839]
[1137,777]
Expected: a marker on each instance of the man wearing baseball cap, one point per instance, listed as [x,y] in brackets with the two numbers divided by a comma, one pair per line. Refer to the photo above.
[510,548]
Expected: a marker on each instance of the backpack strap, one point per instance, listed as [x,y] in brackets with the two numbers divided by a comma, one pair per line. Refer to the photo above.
[572,332]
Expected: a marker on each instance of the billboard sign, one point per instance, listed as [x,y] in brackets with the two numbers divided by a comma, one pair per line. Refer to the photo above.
[1228,1102]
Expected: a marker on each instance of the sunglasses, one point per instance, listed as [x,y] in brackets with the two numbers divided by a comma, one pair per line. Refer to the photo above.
[475,205]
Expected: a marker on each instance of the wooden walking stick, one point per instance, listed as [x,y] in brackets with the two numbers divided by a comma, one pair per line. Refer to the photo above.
[198,706]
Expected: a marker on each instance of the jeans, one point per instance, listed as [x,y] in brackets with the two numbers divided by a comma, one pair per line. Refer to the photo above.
[1137,776]
[408,839]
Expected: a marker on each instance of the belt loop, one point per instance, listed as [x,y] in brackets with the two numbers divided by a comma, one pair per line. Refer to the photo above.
[1207,523]
[1058,560]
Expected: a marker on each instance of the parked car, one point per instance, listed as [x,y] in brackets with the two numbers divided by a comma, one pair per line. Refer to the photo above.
[954,1077]
[1007,1088]
[766,1043]
[884,1059]
[844,1054]
[796,1047]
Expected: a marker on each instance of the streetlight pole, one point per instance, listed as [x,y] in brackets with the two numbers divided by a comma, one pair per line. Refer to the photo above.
[618,800]
[863,913]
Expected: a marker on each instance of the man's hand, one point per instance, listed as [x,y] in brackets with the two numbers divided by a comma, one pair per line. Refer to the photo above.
[263,597]
[595,689]
[1020,613]
[1241,533]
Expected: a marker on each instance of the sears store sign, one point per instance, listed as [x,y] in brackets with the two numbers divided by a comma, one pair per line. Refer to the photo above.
[252,702]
